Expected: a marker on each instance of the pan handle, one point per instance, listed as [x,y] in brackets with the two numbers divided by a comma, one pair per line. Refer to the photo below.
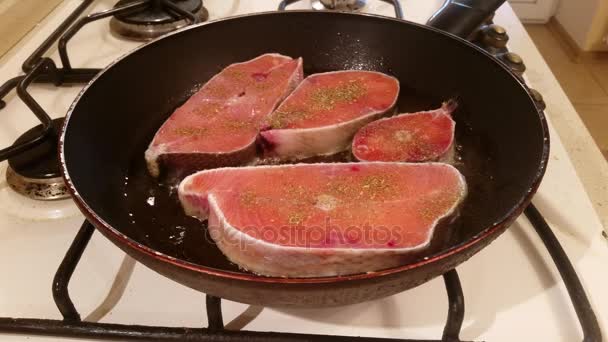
[462,17]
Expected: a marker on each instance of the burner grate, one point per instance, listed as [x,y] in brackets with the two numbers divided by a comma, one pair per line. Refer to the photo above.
[47,183]
[73,326]
[40,69]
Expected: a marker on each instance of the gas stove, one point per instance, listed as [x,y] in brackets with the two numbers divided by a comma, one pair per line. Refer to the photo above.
[512,289]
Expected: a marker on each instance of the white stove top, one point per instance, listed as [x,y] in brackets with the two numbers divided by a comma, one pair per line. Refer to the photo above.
[512,289]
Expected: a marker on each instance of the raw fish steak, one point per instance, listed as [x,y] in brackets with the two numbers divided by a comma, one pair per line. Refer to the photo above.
[410,137]
[323,114]
[219,124]
[306,220]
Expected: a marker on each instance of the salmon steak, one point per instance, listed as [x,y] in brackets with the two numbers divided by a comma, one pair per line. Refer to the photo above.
[310,220]
[410,137]
[219,124]
[323,114]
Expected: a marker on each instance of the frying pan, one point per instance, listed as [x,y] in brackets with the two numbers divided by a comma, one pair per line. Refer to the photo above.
[502,136]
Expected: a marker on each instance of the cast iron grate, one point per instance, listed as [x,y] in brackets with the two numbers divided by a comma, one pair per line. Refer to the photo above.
[40,69]
[43,70]
[73,326]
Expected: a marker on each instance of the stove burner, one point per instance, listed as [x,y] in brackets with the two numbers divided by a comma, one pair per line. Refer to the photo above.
[35,172]
[340,5]
[156,20]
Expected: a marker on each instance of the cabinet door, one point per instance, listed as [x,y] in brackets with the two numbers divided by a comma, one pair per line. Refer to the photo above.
[534,11]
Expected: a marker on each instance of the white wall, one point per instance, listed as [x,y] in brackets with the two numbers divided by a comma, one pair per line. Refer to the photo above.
[596,39]
[583,20]
[534,11]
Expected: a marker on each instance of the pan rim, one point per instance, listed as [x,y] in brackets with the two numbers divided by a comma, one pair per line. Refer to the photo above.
[487,232]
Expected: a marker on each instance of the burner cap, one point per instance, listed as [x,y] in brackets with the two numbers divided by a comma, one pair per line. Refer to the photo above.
[35,173]
[339,5]
[154,21]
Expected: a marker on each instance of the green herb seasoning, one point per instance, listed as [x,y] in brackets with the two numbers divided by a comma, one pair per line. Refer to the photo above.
[321,99]
[282,118]
[190,131]
[328,98]
[208,110]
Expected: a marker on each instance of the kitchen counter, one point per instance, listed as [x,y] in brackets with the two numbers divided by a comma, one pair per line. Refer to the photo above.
[18,17]
[587,159]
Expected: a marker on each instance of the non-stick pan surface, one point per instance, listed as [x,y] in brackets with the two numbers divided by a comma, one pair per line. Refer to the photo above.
[502,137]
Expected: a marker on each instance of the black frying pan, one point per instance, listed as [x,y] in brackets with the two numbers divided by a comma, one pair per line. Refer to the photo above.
[503,136]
